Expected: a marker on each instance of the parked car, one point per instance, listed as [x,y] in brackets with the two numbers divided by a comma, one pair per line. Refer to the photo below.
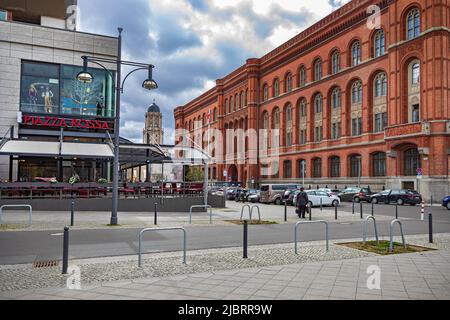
[274,193]
[355,194]
[446,202]
[254,196]
[290,196]
[332,192]
[245,195]
[399,196]
[239,193]
[315,197]
[231,193]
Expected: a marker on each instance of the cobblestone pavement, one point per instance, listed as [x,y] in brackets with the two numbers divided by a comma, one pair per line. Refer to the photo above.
[272,272]
[44,220]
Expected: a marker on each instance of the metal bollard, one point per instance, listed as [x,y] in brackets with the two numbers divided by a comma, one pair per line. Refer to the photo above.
[72,214]
[336,212]
[353,207]
[361,210]
[430,227]
[156,215]
[373,210]
[396,211]
[310,213]
[65,250]
[245,256]
[285,211]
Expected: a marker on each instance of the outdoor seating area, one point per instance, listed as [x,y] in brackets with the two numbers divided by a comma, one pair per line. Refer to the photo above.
[42,190]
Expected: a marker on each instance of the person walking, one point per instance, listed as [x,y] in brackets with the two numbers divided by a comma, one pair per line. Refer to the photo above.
[302,202]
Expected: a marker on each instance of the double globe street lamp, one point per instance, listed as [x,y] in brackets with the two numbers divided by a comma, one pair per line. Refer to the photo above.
[86,77]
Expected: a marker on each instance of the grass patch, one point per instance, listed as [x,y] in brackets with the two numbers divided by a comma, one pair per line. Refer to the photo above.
[253,222]
[383,247]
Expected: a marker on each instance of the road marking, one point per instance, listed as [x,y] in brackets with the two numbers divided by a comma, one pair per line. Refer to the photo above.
[57,234]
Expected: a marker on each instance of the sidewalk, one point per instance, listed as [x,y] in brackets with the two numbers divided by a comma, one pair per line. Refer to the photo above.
[407,276]
[45,220]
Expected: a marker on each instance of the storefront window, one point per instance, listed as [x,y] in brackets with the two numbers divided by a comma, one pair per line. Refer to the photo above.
[40,88]
[53,89]
[95,99]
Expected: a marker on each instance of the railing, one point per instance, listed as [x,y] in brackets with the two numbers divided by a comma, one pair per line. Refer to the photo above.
[250,212]
[198,207]
[310,222]
[161,229]
[391,234]
[30,214]
[365,227]
[43,190]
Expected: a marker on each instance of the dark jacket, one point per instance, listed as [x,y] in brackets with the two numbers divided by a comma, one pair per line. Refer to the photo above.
[302,199]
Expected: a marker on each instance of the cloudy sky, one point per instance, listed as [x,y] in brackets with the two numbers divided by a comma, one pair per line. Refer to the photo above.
[192,43]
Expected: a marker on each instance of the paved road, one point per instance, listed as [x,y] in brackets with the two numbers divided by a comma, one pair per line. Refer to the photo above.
[27,247]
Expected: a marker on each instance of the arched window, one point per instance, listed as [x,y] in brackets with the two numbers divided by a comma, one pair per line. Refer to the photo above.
[357,92]
[336,98]
[227,106]
[231,104]
[215,114]
[335,167]
[356,53]
[237,102]
[276,128]
[266,130]
[379,164]
[317,168]
[318,70]
[242,99]
[413,24]
[302,77]
[412,162]
[415,73]
[276,88]
[318,103]
[301,165]
[288,81]
[379,43]
[303,113]
[289,125]
[379,102]
[265,92]
[335,62]
[246,98]
[355,166]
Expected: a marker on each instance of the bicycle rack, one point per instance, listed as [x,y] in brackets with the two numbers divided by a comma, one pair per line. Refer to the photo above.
[30,216]
[200,206]
[310,222]
[161,229]
[391,234]
[250,210]
[365,227]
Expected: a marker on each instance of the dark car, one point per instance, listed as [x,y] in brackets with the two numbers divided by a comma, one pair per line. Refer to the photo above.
[446,202]
[399,196]
[231,193]
[289,196]
[355,194]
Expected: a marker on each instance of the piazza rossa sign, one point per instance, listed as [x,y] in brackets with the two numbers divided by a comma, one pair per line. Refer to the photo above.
[57,122]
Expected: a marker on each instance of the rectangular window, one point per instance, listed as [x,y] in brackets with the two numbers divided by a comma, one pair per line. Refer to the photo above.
[303,137]
[3,15]
[54,89]
[318,134]
[289,139]
[288,169]
[357,127]
[415,113]
[336,130]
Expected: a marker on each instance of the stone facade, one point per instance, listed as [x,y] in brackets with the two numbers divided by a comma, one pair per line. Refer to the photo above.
[20,41]
[389,121]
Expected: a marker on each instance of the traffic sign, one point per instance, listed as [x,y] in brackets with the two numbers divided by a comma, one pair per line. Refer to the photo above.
[225,173]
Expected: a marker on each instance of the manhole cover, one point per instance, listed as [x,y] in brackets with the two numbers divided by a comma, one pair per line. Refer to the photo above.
[45,264]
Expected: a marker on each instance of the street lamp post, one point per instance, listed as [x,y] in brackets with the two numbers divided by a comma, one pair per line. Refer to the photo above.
[86,77]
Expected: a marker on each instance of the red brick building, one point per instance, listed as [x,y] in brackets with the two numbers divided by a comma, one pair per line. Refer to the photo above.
[359,97]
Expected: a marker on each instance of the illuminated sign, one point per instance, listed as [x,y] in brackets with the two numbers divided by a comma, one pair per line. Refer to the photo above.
[56,122]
